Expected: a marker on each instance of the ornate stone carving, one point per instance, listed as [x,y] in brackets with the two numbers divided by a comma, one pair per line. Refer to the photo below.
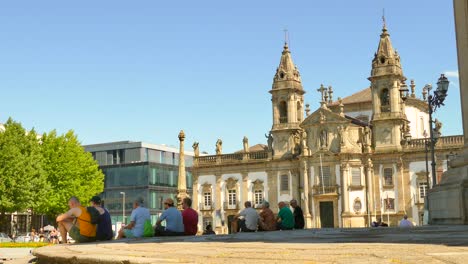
[231,183]
[357,205]
[257,185]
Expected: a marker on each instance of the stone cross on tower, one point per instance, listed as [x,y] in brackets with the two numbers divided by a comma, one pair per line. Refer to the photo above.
[181,183]
[323,91]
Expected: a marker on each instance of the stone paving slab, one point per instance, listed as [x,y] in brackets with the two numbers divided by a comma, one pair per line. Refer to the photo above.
[441,244]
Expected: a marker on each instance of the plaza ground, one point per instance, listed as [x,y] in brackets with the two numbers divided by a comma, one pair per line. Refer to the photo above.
[431,244]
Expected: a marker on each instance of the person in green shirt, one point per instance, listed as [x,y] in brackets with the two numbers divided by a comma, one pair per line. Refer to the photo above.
[285,218]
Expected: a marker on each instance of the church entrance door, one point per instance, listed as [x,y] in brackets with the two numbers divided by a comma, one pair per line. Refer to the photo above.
[326,214]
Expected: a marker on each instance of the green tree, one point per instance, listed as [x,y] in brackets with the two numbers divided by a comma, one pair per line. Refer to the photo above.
[22,181]
[70,170]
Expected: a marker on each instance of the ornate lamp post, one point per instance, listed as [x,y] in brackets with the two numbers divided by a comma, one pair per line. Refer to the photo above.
[435,101]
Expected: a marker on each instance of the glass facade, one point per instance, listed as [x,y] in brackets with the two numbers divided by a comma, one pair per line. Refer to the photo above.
[151,174]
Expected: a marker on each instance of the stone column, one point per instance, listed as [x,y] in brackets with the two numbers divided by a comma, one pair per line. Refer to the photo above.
[307,216]
[447,200]
[182,182]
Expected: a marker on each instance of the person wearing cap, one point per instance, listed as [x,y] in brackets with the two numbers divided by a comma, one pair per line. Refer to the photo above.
[104,225]
[298,215]
[137,221]
[173,219]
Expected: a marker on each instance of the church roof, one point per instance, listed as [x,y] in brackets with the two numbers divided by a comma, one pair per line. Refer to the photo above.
[255,148]
[362,96]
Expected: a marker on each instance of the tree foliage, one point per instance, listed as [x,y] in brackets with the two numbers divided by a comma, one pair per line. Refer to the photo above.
[22,180]
[42,173]
[70,170]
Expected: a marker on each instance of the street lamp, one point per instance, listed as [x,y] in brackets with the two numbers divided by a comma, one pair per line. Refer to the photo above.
[123,207]
[435,101]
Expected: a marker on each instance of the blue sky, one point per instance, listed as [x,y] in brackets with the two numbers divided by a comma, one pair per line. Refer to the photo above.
[143,70]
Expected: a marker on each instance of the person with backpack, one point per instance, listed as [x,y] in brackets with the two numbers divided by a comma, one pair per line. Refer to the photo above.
[76,222]
[140,216]
[104,223]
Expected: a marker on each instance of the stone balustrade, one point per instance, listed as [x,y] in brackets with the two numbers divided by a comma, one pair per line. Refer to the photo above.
[320,189]
[443,142]
[232,158]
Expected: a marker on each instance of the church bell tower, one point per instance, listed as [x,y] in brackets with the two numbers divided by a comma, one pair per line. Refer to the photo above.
[287,98]
[389,121]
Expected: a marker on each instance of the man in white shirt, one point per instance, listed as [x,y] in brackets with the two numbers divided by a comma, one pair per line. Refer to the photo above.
[405,222]
[250,221]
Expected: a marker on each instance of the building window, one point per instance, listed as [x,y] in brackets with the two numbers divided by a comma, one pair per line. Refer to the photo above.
[207,199]
[284,186]
[283,111]
[422,190]
[324,176]
[232,198]
[389,204]
[258,197]
[388,176]
[356,176]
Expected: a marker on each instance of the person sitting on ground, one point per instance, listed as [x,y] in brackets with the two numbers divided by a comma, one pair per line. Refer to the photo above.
[137,221]
[405,222]
[379,223]
[54,236]
[298,215]
[285,218]
[173,219]
[104,225]
[41,235]
[189,217]
[209,230]
[267,220]
[76,222]
[250,218]
[33,235]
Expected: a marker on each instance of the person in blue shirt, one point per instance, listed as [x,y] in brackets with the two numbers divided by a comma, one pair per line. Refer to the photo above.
[173,218]
[137,221]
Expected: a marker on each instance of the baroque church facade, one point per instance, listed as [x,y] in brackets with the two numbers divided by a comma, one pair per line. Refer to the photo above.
[348,163]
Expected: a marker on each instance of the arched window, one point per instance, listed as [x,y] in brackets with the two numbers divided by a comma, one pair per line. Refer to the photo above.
[385,100]
[283,109]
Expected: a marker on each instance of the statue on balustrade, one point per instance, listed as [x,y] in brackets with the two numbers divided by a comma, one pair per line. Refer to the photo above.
[219,147]
[195,149]
[245,141]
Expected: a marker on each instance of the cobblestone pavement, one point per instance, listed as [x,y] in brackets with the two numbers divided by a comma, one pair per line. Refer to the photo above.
[435,244]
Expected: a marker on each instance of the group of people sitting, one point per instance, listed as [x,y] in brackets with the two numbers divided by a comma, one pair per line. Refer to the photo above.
[79,223]
[248,220]
[177,223]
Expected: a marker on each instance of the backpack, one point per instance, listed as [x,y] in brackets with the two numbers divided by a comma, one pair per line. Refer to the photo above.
[94,213]
[148,230]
